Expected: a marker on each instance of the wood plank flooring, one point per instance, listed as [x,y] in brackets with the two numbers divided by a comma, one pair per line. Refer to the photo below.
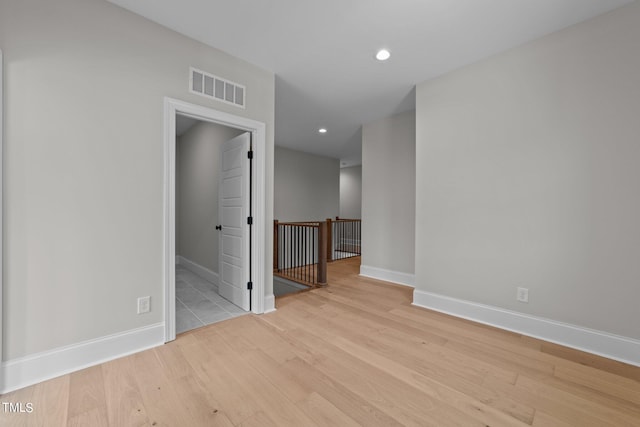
[354,353]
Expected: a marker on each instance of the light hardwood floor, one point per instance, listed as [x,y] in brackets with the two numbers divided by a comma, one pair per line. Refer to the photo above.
[354,353]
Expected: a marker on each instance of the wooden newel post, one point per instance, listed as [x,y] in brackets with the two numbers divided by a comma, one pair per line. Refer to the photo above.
[329,240]
[275,245]
[322,253]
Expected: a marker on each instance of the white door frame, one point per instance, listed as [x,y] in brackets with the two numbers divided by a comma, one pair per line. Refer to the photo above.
[1,211]
[257,129]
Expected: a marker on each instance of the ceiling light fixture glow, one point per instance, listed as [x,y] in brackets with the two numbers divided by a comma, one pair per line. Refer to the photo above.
[322,130]
[383,55]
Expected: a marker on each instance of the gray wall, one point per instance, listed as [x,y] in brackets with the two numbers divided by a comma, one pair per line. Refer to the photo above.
[351,192]
[529,177]
[388,193]
[307,187]
[84,87]
[197,169]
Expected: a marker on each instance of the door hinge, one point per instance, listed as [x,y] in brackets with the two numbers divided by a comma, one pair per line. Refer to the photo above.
[250,285]
[250,154]
[250,220]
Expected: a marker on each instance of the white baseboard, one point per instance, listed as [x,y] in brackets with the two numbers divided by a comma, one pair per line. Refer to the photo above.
[33,369]
[388,275]
[197,269]
[604,344]
[269,304]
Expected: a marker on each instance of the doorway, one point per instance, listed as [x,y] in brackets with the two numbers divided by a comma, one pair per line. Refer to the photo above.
[205,187]
[253,270]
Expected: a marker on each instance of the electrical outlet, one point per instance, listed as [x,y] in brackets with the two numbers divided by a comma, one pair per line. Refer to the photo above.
[144,304]
[523,295]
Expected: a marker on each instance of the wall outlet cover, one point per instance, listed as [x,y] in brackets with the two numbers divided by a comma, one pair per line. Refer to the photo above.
[144,305]
[523,295]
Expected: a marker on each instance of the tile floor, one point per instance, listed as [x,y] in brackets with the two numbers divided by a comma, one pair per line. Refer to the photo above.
[198,303]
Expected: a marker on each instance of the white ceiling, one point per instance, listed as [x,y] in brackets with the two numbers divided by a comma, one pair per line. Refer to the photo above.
[322,51]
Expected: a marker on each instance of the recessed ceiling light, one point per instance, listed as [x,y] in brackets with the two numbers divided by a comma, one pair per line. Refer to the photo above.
[322,130]
[383,55]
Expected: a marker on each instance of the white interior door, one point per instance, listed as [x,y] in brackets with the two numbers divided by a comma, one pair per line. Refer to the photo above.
[234,210]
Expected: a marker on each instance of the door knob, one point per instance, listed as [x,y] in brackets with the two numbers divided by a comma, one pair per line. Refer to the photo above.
[218,227]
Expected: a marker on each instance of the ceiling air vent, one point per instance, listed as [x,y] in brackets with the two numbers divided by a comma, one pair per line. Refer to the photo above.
[215,87]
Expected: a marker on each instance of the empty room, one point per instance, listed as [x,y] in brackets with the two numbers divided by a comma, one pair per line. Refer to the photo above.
[249,213]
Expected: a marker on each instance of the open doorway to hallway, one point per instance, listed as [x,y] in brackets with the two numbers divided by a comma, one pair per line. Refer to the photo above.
[244,224]
[199,198]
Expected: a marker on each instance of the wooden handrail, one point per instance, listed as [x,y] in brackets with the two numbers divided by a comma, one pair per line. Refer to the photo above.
[344,238]
[307,246]
[296,252]
[308,223]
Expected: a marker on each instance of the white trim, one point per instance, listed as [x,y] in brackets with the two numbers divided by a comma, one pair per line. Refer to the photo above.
[269,303]
[604,344]
[197,269]
[260,226]
[33,369]
[1,205]
[388,275]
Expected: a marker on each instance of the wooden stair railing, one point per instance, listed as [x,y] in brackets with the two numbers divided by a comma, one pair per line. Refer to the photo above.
[344,238]
[301,250]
